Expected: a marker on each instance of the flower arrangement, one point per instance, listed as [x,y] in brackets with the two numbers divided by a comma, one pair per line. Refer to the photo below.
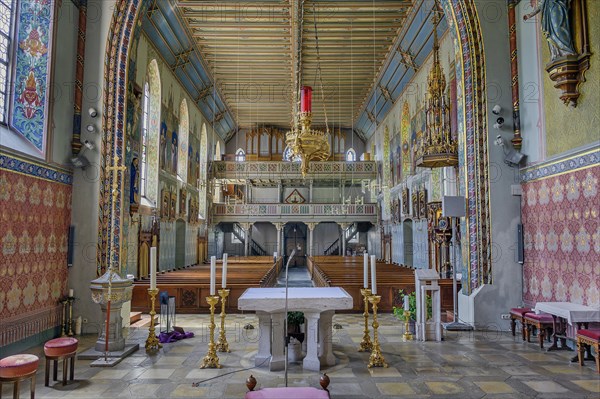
[412,306]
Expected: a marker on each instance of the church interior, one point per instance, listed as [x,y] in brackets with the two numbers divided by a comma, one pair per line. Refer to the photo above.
[300,198]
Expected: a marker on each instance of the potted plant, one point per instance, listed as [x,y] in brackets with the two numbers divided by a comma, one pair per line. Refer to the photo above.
[295,336]
[412,308]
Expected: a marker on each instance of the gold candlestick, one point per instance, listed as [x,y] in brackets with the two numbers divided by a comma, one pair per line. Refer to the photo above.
[376,359]
[407,335]
[70,321]
[64,318]
[152,343]
[366,345]
[222,344]
[211,360]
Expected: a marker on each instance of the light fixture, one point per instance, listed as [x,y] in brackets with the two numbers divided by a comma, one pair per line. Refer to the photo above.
[437,148]
[90,128]
[499,123]
[88,144]
[80,161]
[496,110]
[305,143]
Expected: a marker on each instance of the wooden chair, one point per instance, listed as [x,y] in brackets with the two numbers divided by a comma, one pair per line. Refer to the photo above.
[541,322]
[17,368]
[588,337]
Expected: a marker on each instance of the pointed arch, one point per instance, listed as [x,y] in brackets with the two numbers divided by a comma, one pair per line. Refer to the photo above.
[203,169]
[150,144]
[217,156]
[184,132]
[350,155]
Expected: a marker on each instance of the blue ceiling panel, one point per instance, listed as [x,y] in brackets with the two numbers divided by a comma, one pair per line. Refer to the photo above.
[174,24]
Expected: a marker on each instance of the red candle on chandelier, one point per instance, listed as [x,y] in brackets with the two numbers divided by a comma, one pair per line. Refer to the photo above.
[306,99]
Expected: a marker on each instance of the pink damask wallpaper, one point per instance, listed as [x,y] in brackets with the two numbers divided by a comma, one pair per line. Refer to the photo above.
[35,215]
[562,238]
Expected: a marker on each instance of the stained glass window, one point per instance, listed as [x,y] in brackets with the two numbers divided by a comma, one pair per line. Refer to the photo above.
[6,23]
[145,123]
[351,155]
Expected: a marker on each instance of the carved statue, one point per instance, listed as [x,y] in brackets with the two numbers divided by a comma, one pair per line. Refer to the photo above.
[134,197]
[556,26]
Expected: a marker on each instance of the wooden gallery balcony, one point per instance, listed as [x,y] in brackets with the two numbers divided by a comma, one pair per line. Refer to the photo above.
[279,170]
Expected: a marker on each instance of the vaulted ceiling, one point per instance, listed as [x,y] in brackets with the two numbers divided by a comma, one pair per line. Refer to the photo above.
[258,50]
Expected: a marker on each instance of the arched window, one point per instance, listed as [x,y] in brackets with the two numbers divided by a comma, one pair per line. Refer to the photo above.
[240,155]
[217,156]
[203,169]
[351,155]
[184,128]
[145,125]
[150,136]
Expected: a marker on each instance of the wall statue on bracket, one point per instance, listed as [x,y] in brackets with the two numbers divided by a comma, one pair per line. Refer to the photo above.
[564,24]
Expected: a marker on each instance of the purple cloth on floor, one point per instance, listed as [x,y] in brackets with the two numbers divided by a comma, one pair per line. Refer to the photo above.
[165,338]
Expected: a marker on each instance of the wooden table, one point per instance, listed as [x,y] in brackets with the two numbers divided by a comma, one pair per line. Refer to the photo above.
[570,313]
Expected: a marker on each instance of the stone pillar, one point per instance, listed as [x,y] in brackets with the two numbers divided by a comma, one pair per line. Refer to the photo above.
[280,193]
[279,227]
[246,227]
[311,361]
[344,227]
[310,192]
[311,233]
[326,356]
[264,339]
[277,355]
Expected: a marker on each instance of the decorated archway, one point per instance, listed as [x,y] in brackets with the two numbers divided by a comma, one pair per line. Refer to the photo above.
[464,25]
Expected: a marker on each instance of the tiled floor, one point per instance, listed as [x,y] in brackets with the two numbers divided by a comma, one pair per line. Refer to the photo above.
[464,365]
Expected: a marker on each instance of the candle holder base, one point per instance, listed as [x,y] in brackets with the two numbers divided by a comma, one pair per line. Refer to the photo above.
[366,345]
[222,344]
[407,336]
[152,343]
[376,359]
[211,360]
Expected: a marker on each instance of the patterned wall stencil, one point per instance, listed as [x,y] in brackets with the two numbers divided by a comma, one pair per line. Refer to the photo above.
[562,238]
[32,56]
[36,214]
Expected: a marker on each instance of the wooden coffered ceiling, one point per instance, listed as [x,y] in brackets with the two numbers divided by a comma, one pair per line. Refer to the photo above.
[255,51]
[250,49]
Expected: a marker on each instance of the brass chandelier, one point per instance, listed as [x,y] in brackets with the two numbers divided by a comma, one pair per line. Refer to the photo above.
[438,148]
[306,144]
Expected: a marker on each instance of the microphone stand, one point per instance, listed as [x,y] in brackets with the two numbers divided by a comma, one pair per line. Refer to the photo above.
[285,322]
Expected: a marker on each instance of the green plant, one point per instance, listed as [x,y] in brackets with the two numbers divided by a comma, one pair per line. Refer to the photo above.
[412,306]
[295,319]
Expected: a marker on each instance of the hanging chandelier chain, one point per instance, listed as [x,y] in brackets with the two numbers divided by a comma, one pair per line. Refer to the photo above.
[319,69]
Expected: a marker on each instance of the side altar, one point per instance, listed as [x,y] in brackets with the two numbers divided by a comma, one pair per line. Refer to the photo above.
[318,304]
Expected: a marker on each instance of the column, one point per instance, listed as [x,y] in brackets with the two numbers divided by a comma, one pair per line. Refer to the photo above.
[344,227]
[326,356]
[310,192]
[279,193]
[279,227]
[311,361]
[264,339]
[277,355]
[311,227]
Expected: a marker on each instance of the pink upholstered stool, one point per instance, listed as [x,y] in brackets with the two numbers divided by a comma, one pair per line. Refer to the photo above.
[517,314]
[542,322]
[16,368]
[589,337]
[288,393]
[63,348]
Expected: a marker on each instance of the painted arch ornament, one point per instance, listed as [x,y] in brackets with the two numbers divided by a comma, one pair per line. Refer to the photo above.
[472,121]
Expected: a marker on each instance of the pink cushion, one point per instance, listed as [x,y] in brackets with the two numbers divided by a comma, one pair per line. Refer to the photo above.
[520,311]
[542,317]
[18,365]
[288,393]
[592,333]
[60,346]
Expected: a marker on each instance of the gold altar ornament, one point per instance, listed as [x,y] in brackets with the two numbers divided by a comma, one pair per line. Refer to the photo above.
[222,344]
[366,345]
[152,344]
[376,359]
[211,360]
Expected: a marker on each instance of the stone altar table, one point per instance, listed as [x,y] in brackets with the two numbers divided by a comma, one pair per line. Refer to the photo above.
[318,304]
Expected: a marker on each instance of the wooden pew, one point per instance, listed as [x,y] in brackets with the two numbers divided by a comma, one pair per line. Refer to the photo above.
[347,272]
[191,285]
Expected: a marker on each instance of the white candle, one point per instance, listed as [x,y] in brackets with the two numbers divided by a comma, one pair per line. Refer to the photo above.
[213,273]
[406,305]
[373,275]
[366,271]
[153,268]
[71,293]
[224,272]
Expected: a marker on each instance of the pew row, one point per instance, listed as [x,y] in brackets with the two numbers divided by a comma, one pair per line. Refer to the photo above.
[191,285]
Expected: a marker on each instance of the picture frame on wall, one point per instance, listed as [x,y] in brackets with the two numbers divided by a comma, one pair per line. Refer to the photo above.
[415,203]
[182,201]
[405,202]
[165,203]
[173,210]
[423,204]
